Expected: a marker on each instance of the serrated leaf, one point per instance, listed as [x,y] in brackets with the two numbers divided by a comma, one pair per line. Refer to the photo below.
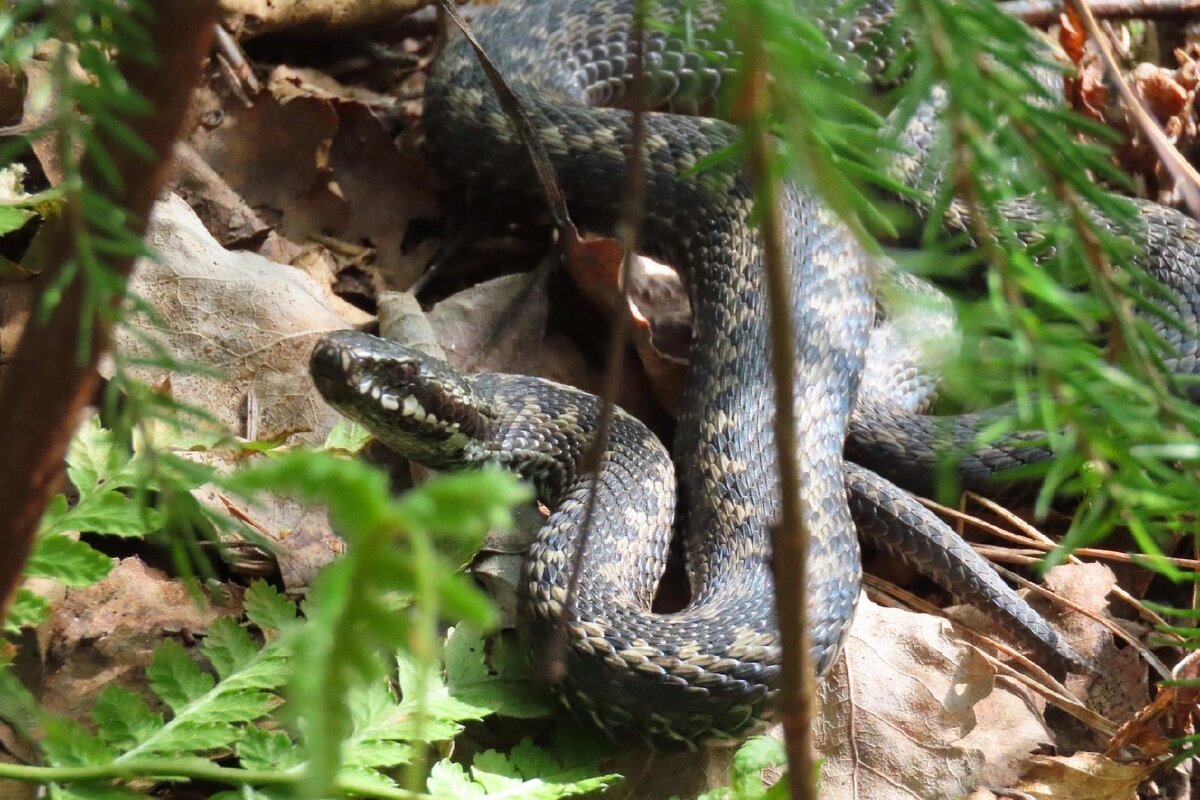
[378,753]
[27,611]
[67,744]
[263,749]
[450,781]
[757,754]
[93,456]
[175,678]
[228,647]
[347,436]
[67,560]
[194,737]
[111,513]
[267,608]
[123,719]
[501,684]
[529,771]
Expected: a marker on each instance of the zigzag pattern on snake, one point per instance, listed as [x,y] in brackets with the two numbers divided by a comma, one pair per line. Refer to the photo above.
[708,670]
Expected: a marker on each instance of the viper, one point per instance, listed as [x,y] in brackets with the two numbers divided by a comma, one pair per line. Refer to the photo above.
[709,670]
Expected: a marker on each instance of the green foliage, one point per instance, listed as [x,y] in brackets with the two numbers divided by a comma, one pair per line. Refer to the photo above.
[746,775]
[231,708]
[360,604]
[526,771]
[113,483]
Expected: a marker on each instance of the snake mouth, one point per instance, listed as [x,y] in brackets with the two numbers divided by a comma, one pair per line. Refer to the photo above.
[411,401]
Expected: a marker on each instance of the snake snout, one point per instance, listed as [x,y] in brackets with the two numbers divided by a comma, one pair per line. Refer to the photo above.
[417,404]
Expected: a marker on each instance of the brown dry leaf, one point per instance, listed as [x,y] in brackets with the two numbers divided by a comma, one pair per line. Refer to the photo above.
[1083,776]
[288,82]
[306,540]
[494,326]
[910,712]
[276,156]
[1119,689]
[251,17]
[106,633]
[254,320]
[659,312]
[225,214]
[318,165]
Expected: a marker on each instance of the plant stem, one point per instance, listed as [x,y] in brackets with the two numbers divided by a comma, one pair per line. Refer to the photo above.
[51,377]
[197,769]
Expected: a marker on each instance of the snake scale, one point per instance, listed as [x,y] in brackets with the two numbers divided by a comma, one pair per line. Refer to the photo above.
[709,670]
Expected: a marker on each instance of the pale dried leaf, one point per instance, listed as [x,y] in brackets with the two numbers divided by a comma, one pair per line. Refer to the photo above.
[911,712]
[253,320]
[494,326]
[1083,776]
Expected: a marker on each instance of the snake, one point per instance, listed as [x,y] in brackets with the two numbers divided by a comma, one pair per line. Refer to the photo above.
[710,670]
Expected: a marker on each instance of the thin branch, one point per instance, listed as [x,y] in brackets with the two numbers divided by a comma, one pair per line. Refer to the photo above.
[51,377]
[197,769]
[789,536]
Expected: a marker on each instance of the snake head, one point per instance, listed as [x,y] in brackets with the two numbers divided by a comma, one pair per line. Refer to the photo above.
[416,404]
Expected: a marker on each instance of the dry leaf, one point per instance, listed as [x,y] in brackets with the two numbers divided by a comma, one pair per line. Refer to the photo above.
[910,712]
[494,326]
[1083,776]
[106,633]
[254,320]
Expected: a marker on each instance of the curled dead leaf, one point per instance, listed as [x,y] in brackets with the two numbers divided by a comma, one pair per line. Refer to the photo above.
[1083,776]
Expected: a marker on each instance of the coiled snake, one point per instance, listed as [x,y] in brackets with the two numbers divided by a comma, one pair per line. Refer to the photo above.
[708,670]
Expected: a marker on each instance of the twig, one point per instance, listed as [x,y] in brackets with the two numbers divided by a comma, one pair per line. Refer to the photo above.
[1045,12]
[789,536]
[51,377]
[199,769]
[573,247]
[233,55]
[1044,684]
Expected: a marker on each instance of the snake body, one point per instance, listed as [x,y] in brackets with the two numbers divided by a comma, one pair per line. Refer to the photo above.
[709,670]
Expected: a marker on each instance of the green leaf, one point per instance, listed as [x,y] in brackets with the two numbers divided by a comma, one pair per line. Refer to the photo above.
[96,791]
[450,781]
[111,513]
[497,681]
[67,744]
[529,771]
[347,436]
[123,719]
[175,678]
[94,456]
[263,749]
[28,610]
[68,561]
[228,647]
[13,218]
[267,607]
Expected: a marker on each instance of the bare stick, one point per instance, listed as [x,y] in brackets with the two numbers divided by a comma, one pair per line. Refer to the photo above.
[789,536]
[50,378]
